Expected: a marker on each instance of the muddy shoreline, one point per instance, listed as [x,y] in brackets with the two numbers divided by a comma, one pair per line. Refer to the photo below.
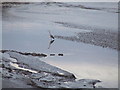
[45,77]
[97,36]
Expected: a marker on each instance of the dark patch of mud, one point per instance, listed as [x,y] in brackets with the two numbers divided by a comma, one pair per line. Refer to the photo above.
[32,54]
[12,4]
[102,39]
[68,5]
[97,36]
[25,53]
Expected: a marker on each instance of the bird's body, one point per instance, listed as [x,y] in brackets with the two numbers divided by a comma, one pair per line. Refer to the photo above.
[51,36]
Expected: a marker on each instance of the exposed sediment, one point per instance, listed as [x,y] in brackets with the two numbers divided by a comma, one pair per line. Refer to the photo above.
[97,36]
[31,72]
[25,53]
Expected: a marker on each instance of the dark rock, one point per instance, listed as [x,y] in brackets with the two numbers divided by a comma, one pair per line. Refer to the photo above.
[60,54]
[52,54]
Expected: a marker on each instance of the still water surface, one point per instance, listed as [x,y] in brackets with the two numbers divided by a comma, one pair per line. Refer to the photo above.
[25,28]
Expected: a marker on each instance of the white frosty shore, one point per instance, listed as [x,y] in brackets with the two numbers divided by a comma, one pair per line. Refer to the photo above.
[46,76]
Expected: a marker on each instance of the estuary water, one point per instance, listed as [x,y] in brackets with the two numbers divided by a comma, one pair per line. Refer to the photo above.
[26,28]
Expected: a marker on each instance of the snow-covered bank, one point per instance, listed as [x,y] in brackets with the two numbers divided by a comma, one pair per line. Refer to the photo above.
[29,71]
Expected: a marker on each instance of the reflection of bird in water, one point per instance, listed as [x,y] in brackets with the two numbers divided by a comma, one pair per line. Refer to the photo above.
[51,36]
[50,43]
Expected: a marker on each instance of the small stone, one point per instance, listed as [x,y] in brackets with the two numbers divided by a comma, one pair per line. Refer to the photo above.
[60,54]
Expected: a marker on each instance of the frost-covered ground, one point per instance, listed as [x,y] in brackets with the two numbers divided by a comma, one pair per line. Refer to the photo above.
[85,33]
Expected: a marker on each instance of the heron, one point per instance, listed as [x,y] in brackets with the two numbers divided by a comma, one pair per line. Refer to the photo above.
[51,35]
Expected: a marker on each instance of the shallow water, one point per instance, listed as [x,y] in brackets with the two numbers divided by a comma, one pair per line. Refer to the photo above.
[25,28]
